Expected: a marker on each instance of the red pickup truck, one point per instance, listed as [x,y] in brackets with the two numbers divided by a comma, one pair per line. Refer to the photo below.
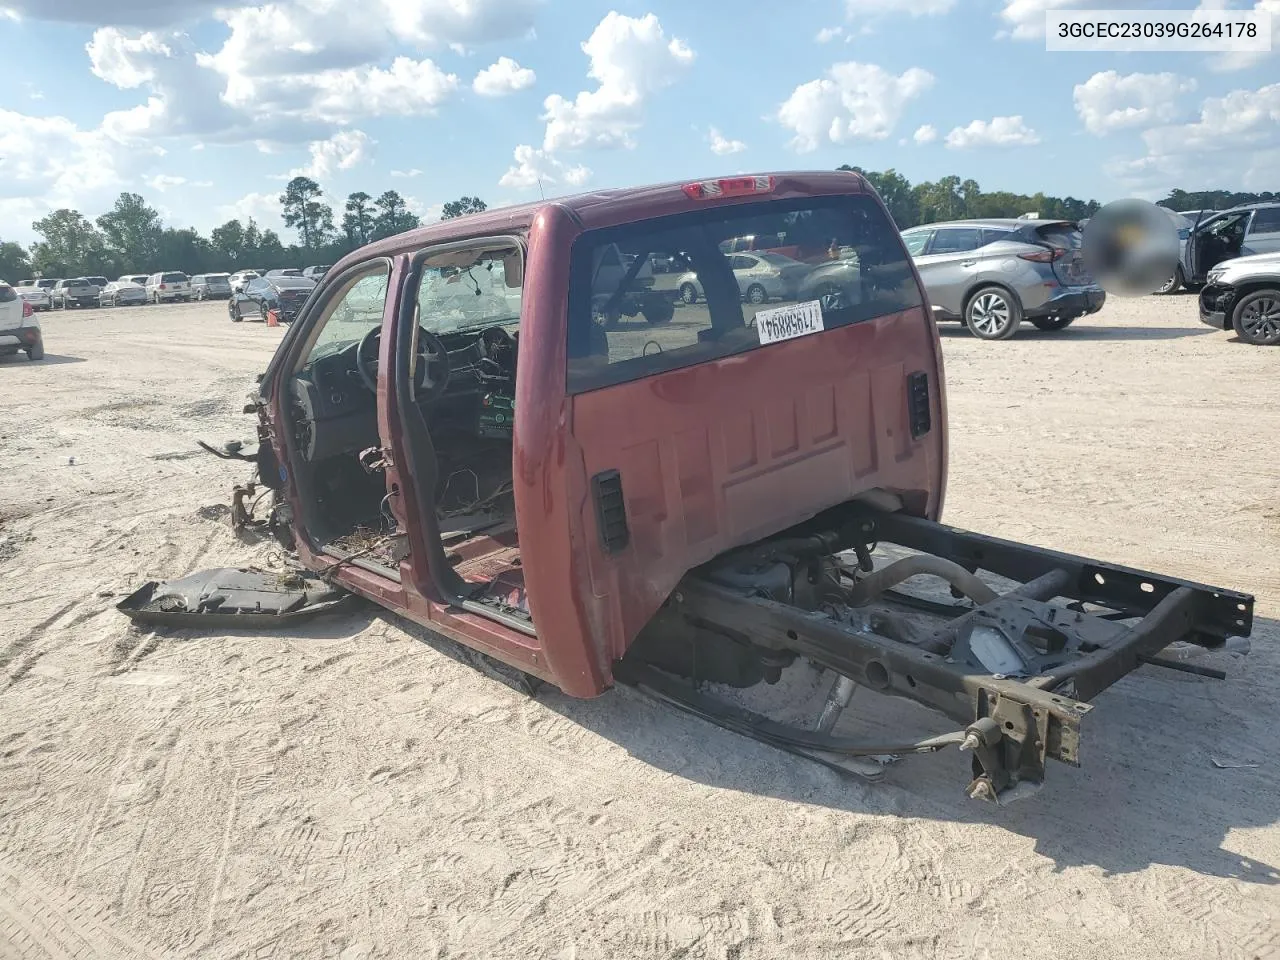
[705,501]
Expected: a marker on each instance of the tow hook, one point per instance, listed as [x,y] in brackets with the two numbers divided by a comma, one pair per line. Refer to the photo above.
[981,738]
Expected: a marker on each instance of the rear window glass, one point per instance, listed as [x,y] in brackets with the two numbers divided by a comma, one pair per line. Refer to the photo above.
[173,278]
[1063,235]
[839,256]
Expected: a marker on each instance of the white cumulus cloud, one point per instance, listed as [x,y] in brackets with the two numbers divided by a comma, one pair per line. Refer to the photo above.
[1024,19]
[927,133]
[722,146]
[997,132]
[854,101]
[344,150]
[1108,101]
[503,77]
[262,207]
[533,166]
[630,59]
[1235,142]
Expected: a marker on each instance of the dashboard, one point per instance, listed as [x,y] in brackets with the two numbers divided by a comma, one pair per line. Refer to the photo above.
[335,412]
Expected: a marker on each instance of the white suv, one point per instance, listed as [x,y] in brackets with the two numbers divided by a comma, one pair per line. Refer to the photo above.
[19,328]
[168,287]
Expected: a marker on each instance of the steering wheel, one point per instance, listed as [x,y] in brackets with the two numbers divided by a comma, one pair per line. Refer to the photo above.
[431,375]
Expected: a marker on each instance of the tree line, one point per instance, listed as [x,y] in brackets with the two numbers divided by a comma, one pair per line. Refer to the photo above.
[131,238]
[954,199]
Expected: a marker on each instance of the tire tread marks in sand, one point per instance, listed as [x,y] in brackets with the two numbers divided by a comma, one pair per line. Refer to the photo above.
[1218,917]
[39,923]
[19,652]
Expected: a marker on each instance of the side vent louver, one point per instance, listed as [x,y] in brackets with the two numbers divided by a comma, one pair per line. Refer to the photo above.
[611,511]
[918,404]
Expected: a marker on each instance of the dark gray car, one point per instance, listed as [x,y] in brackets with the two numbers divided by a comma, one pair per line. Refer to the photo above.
[993,274]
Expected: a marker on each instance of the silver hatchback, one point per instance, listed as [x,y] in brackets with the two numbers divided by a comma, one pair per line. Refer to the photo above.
[993,274]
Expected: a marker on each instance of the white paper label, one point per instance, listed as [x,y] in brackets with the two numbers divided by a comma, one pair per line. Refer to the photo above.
[789,322]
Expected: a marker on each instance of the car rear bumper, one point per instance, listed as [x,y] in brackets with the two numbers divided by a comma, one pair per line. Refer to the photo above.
[1070,302]
[1216,301]
[19,338]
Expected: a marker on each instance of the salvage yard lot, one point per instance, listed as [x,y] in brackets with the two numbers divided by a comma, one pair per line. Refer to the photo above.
[353,788]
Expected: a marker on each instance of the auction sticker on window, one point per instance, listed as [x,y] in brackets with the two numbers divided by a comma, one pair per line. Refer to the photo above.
[787,323]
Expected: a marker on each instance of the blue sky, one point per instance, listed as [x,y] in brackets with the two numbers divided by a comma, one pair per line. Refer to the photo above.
[207,106]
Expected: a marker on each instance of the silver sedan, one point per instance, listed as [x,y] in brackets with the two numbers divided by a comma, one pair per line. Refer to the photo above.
[761,277]
[120,293]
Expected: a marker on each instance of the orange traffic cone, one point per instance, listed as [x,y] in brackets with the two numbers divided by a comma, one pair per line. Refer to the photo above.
[273,318]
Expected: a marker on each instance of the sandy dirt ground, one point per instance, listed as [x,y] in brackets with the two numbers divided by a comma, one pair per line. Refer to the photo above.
[355,789]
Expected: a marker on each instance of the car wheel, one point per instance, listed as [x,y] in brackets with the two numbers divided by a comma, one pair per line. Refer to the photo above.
[1052,323]
[756,294]
[1173,284]
[1257,318]
[262,309]
[657,312]
[688,293]
[36,352]
[233,313]
[992,314]
[832,297]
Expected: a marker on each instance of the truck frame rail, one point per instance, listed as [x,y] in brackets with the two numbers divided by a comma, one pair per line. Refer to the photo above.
[1014,670]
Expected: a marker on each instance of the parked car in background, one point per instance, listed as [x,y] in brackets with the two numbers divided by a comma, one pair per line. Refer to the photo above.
[285,295]
[774,243]
[211,286]
[122,293]
[139,278]
[284,272]
[76,292]
[761,277]
[168,287]
[1239,232]
[240,279]
[19,327]
[315,273]
[98,282]
[993,274]
[634,283]
[38,297]
[1244,295]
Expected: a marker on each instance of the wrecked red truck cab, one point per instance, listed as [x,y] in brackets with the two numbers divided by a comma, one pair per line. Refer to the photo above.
[490,426]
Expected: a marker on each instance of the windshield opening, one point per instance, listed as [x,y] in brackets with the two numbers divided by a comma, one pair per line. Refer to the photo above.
[471,290]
